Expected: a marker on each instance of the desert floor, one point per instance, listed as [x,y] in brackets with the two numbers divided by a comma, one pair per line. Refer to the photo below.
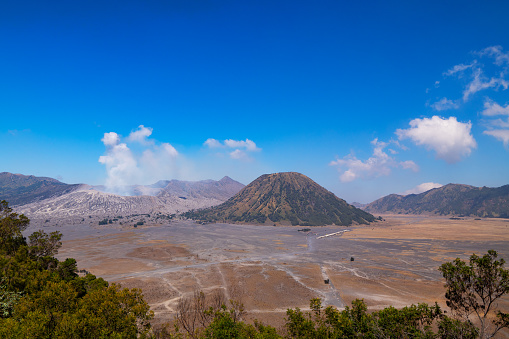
[270,269]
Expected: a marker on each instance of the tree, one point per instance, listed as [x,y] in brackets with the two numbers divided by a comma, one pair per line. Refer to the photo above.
[43,244]
[474,289]
[43,297]
[11,226]
[7,300]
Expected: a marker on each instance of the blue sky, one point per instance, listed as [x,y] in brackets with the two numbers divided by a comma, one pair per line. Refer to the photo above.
[367,98]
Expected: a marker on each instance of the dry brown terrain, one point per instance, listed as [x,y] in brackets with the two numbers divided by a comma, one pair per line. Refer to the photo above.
[274,268]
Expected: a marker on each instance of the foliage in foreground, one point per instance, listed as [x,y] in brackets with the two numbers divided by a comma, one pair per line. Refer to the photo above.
[416,321]
[42,297]
[474,289]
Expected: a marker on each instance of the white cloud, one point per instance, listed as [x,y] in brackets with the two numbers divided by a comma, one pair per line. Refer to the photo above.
[424,187]
[500,134]
[239,154]
[409,164]
[459,68]
[140,135]
[247,144]
[496,53]
[126,167]
[121,166]
[380,164]
[480,82]
[213,143]
[492,109]
[240,147]
[110,139]
[449,138]
[444,104]
[475,70]
[499,123]
[169,149]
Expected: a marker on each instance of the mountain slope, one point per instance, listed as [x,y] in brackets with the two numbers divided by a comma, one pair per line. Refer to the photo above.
[220,190]
[170,197]
[90,202]
[451,199]
[209,189]
[284,198]
[20,189]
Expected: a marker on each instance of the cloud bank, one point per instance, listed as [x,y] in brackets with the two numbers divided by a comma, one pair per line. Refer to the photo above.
[150,162]
[449,138]
[379,164]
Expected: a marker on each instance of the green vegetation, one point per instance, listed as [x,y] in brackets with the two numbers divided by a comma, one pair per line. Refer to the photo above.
[474,288]
[416,321]
[107,221]
[284,198]
[42,297]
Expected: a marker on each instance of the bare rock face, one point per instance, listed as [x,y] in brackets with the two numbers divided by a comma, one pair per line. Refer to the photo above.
[89,202]
[85,203]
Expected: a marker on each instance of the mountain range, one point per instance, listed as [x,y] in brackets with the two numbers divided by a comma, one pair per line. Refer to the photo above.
[284,199]
[42,198]
[451,199]
[279,198]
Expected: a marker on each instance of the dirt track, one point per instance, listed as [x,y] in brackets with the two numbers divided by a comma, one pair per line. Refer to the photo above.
[275,268]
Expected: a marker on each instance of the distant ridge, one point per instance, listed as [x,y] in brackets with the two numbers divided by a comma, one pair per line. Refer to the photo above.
[451,199]
[284,199]
[20,189]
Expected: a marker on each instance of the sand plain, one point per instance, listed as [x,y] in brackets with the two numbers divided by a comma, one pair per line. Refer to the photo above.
[395,262]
